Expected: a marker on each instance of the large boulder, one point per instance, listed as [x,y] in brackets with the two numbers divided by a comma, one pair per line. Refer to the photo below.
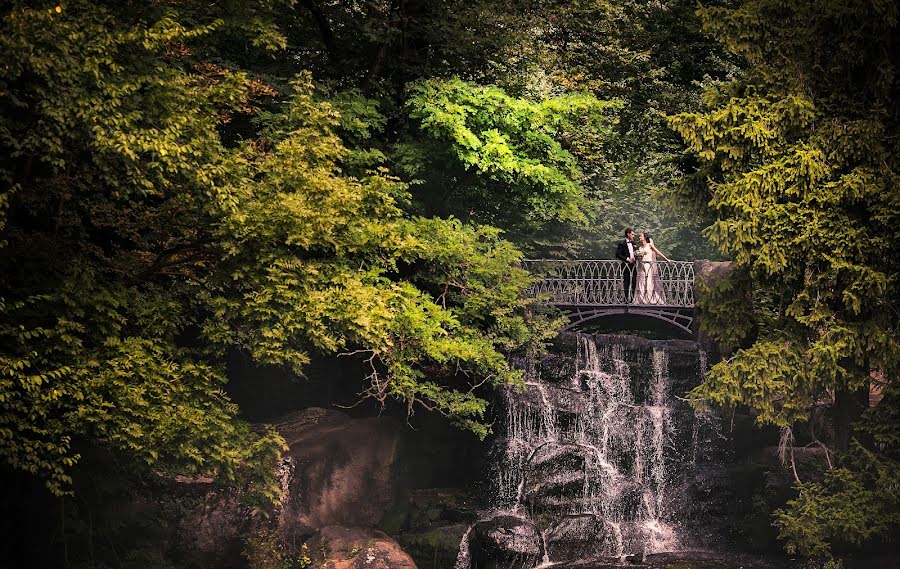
[706,271]
[554,481]
[337,547]
[575,537]
[340,471]
[505,542]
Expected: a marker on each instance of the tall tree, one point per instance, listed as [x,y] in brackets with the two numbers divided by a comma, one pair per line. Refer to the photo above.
[156,216]
[798,159]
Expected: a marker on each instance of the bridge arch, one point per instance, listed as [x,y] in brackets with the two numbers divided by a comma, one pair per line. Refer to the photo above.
[679,320]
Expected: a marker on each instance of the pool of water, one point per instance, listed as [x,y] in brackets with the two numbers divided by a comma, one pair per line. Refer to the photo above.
[719,560]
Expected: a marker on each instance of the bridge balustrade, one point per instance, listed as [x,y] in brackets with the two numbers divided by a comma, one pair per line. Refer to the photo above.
[601,283]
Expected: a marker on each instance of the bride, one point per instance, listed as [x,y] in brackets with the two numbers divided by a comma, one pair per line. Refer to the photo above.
[649,285]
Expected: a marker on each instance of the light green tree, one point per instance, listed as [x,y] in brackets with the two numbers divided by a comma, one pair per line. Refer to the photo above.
[162,207]
[480,153]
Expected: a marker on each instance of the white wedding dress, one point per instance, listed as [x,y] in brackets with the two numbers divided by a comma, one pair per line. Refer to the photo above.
[646,291]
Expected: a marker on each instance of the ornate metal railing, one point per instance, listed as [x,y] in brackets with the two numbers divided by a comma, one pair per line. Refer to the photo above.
[601,283]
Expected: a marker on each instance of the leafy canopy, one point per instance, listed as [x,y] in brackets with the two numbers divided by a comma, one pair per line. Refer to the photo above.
[798,160]
[164,208]
[507,161]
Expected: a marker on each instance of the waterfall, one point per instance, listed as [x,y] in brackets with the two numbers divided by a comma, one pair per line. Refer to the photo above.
[589,455]
[706,428]
[463,558]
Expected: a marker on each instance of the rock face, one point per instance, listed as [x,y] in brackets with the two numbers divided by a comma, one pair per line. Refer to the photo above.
[340,471]
[505,542]
[705,271]
[210,534]
[337,547]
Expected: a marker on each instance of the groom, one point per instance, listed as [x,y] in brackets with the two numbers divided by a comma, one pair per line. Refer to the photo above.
[625,253]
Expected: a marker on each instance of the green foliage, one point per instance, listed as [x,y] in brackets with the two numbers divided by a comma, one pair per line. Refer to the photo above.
[160,216]
[797,166]
[851,504]
[726,306]
[332,263]
[501,159]
[771,375]
[857,501]
[113,142]
[882,423]
[798,221]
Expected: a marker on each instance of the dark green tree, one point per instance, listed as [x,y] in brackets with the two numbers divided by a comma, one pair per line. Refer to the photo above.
[798,160]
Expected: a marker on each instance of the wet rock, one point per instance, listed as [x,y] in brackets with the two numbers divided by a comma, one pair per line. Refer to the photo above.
[337,547]
[576,537]
[629,494]
[554,481]
[562,398]
[505,542]
[561,484]
[556,368]
[556,457]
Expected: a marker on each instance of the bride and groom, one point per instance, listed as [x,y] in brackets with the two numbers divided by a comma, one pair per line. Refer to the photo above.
[640,276]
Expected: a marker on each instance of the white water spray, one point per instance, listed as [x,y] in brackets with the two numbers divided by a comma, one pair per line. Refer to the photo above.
[602,463]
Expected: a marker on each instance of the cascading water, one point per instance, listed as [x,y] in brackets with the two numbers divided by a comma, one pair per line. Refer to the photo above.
[590,455]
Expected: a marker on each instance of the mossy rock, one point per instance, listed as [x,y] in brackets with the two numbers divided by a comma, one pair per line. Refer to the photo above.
[436,507]
[435,548]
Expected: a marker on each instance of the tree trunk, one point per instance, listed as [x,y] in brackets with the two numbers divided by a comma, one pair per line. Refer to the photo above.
[848,406]
[324,30]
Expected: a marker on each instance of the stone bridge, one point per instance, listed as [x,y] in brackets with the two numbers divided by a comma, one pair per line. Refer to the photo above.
[590,289]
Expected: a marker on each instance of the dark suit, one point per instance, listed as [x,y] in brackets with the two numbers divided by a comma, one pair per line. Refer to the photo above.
[628,281]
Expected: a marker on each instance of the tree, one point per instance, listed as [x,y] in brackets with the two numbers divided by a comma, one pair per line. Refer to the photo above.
[798,161]
[648,55]
[512,163]
[164,207]
[109,145]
